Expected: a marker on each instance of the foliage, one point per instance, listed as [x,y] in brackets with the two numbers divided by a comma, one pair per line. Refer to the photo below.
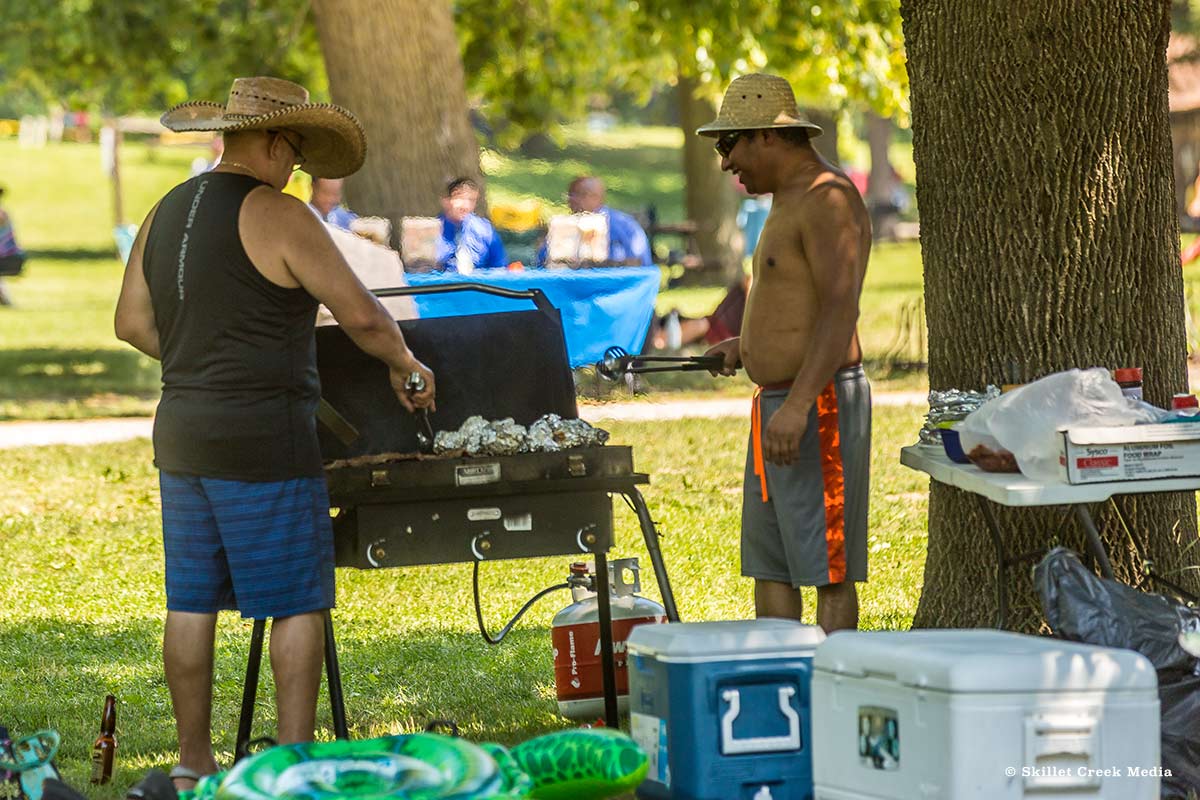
[534,63]
[131,55]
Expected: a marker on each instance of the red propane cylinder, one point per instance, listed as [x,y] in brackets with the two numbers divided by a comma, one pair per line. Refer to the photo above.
[575,635]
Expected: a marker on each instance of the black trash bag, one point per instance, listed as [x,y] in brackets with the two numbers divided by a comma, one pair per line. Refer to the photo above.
[1180,702]
[1081,607]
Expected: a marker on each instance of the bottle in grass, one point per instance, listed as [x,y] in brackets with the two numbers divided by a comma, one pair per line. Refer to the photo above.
[105,748]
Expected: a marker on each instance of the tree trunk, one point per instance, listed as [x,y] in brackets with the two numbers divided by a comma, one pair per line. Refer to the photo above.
[1049,240]
[882,181]
[827,143]
[712,200]
[396,65]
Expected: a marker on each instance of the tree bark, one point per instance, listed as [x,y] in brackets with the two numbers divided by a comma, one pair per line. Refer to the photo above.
[711,199]
[881,181]
[396,65]
[1048,233]
[827,143]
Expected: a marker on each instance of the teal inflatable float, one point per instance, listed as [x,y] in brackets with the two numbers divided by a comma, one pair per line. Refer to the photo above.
[582,764]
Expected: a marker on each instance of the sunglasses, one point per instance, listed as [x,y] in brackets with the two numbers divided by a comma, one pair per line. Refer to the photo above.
[726,143]
[295,148]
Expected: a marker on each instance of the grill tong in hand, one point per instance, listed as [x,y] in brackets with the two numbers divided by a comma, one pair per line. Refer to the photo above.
[414,385]
[617,363]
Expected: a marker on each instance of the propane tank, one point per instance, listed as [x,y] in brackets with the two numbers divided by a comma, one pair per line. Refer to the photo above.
[575,635]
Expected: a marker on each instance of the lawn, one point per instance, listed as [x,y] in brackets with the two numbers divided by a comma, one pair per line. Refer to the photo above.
[81,598]
[58,356]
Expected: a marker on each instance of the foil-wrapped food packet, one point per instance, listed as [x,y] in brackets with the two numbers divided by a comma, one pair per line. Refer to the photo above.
[951,405]
[552,433]
[549,434]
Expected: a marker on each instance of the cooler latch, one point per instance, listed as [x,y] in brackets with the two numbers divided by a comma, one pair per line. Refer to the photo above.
[759,744]
[1061,751]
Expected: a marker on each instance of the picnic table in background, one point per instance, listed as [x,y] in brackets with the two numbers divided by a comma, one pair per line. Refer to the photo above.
[600,306]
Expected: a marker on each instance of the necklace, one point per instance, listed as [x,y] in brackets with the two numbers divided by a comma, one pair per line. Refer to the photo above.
[253,174]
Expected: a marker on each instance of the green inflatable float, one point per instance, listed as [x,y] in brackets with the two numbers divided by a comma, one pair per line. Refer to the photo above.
[580,764]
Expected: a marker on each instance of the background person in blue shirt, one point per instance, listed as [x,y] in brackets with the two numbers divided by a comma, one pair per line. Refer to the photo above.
[327,202]
[627,242]
[465,236]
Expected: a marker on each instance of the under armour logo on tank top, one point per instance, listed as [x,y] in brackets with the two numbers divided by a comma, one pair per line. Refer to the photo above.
[183,244]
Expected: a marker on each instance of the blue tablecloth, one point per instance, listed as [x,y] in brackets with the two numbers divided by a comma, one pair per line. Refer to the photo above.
[600,307]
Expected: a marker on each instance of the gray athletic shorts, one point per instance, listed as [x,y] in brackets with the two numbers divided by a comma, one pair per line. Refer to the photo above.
[812,528]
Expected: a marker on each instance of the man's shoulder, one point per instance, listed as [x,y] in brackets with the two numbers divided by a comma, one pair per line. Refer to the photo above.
[482,224]
[623,223]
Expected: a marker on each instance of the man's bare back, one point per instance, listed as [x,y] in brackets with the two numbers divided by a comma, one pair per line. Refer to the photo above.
[778,329]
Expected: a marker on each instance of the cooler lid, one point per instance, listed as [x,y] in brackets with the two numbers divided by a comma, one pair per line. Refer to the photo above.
[983,661]
[725,641]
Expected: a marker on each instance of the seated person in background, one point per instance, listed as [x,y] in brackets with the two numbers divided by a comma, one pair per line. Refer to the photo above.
[327,202]
[12,257]
[627,242]
[672,331]
[468,241]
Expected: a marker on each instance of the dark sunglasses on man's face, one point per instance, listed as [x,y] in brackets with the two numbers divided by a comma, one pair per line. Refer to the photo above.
[726,143]
[295,148]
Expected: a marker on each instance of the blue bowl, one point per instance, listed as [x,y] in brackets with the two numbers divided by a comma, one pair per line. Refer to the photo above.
[953,446]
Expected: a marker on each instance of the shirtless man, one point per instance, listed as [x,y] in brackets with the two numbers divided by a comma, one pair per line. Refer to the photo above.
[804,512]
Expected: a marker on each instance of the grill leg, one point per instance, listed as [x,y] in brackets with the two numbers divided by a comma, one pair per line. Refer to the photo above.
[333,675]
[650,534]
[607,668]
[250,690]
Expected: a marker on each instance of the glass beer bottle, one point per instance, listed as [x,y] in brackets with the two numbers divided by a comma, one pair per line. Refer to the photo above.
[105,747]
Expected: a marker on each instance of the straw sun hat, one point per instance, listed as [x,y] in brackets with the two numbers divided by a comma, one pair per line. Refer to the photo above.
[757,101]
[334,142]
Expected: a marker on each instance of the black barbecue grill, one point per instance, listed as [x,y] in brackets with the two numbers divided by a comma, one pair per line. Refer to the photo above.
[396,507]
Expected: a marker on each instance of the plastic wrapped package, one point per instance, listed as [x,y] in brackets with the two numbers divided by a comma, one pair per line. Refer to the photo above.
[1026,421]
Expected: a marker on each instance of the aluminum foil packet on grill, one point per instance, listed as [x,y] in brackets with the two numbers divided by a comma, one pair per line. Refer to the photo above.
[502,437]
[552,433]
[468,434]
[952,405]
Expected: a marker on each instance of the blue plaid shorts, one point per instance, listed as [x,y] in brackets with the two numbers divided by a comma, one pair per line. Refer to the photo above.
[264,549]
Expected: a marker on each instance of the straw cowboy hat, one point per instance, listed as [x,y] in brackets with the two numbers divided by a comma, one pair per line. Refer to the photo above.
[757,101]
[334,143]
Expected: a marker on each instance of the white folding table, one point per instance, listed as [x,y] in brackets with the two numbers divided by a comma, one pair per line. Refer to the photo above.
[1015,490]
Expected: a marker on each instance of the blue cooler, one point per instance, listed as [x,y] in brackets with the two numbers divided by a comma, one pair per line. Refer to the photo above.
[723,709]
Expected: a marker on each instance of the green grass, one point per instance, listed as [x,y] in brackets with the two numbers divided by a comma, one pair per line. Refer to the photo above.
[59,358]
[81,598]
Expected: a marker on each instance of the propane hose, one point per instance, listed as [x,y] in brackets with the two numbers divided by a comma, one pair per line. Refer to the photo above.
[505,630]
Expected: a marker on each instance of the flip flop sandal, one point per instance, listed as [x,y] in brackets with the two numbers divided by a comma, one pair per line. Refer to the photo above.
[185,774]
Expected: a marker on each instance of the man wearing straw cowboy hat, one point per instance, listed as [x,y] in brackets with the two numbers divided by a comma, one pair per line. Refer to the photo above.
[222,286]
[804,508]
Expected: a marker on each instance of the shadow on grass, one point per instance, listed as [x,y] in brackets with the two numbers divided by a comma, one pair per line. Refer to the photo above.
[74,253]
[393,683]
[70,374]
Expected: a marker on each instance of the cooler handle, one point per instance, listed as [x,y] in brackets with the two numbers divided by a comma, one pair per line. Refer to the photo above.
[759,744]
[1066,741]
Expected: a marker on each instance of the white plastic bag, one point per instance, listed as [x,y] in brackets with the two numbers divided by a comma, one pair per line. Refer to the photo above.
[1026,421]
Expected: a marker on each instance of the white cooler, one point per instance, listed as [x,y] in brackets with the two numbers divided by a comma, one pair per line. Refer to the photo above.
[981,715]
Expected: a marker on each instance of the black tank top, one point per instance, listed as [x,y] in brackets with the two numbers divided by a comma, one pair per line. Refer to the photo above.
[240,386]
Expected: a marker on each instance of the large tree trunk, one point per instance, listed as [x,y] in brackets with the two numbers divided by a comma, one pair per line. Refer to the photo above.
[882,181]
[395,64]
[712,201]
[1049,239]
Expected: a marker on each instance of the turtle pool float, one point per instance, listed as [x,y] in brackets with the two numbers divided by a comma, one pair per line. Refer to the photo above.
[580,764]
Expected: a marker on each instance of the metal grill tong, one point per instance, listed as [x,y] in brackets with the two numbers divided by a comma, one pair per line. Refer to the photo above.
[618,363]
